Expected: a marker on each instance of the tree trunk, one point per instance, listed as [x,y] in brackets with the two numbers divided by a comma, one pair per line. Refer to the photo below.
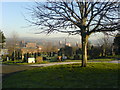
[2,45]
[113,52]
[103,51]
[84,50]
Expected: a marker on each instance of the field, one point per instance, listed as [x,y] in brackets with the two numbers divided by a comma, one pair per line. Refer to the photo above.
[95,75]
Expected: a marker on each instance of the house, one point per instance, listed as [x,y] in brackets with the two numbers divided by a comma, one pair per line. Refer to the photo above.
[31,45]
[29,50]
[3,51]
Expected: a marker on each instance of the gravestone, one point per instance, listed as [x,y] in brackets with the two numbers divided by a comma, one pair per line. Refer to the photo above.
[7,58]
[39,59]
[64,57]
[59,58]
[31,60]
[55,54]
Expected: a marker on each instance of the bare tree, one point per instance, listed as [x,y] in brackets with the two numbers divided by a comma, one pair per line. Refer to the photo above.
[76,17]
[49,47]
[13,42]
[106,44]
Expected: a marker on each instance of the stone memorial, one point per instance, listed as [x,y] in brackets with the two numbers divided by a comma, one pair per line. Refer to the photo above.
[31,60]
[39,59]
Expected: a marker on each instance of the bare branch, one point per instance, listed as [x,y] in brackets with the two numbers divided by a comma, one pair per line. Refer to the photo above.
[87,16]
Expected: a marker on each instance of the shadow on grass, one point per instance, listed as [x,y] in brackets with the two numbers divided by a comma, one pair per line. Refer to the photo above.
[9,74]
[95,75]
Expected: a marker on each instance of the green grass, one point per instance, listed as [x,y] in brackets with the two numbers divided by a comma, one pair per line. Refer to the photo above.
[72,61]
[49,61]
[102,60]
[21,63]
[115,56]
[95,75]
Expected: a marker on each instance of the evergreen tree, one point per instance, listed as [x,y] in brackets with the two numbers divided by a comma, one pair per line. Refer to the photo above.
[117,43]
[2,38]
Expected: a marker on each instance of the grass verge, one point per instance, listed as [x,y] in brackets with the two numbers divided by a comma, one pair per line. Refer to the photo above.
[18,62]
[102,60]
[95,75]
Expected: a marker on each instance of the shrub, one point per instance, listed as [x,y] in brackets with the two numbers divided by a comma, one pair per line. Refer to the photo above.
[4,57]
[44,58]
[25,58]
[54,59]
[94,52]
[76,57]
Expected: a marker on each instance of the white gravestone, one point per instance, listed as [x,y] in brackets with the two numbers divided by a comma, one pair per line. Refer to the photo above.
[31,60]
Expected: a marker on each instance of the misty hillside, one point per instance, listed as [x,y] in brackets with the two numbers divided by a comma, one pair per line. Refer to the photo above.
[58,39]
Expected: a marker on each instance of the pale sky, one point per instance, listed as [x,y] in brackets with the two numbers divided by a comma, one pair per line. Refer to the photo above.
[12,16]
[12,20]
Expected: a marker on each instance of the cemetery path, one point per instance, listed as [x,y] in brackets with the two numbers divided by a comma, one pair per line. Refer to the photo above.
[9,69]
[50,64]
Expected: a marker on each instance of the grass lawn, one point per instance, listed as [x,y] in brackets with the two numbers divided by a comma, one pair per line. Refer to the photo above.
[7,69]
[95,75]
[102,60]
[19,62]
[115,56]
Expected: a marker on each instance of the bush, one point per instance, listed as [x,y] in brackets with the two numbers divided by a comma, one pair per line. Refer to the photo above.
[94,52]
[70,57]
[25,58]
[54,59]
[77,57]
[44,58]
[4,57]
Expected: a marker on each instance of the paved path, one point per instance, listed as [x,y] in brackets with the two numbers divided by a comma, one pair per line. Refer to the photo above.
[117,61]
[50,64]
[7,69]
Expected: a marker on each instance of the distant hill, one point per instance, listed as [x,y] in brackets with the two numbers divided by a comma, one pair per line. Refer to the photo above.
[56,40]
[52,40]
